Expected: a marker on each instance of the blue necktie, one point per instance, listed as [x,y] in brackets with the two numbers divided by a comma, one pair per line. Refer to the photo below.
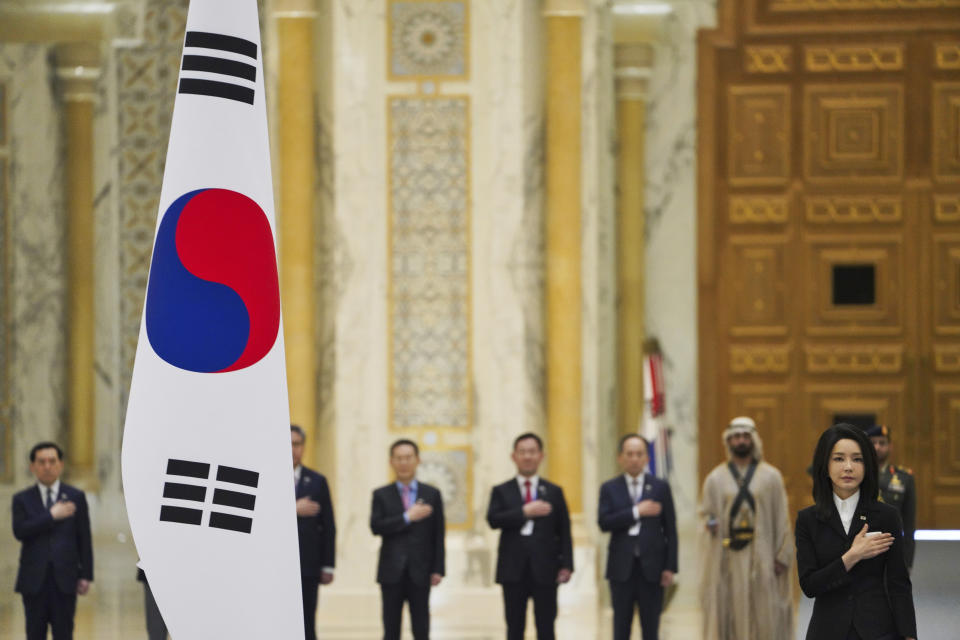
[49,497]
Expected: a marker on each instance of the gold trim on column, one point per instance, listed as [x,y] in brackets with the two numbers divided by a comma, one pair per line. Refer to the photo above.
[632,69]
[295,92]
[563,251]
[78,70]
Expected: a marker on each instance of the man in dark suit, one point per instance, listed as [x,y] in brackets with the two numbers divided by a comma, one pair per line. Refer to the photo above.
[408,515]
[637,509]
[316,529]
[52,522]
[536,550]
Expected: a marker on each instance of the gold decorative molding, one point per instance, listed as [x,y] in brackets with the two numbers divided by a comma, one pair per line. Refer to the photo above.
[854,209]
[827,58]
[947,55]
[759,209]
[760,359]
[633,66]
[946,208]
[853,132]
[760,134]
[859,5]
[877,359]
[946,358]
[946,131]
[768,59]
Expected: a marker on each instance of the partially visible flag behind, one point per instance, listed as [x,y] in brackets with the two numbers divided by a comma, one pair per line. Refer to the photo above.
[654,426]
[207,472]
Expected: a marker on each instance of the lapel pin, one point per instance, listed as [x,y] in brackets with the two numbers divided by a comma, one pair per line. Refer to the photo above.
[863,517]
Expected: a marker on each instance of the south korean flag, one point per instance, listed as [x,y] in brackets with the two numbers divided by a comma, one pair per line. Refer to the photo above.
[207,467]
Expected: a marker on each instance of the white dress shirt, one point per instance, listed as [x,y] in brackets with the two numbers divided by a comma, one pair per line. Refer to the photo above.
[54,488]
[527,529]
[636,494]
[846,509]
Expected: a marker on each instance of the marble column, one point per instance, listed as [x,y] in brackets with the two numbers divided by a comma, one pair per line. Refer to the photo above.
[632,64]
[78,70]
[563,24]
[295,20]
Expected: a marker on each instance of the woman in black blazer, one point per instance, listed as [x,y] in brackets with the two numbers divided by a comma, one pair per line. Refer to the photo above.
[850,547]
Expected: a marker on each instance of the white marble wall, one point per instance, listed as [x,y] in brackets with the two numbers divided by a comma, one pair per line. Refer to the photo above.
[109,389]
[671,187]
[37,294]
[38,237]
[671,260]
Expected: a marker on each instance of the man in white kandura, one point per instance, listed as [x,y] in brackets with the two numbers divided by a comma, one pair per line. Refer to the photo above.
[747,544]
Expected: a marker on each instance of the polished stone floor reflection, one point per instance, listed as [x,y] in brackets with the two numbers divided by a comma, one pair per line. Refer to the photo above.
[114,609]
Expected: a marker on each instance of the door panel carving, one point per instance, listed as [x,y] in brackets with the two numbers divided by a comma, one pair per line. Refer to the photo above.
[829,234]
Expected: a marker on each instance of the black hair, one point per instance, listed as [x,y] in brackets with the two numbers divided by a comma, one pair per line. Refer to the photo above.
[45,445]
[528,436]
[820,469]
[403,441]
[623,441]
[297,430]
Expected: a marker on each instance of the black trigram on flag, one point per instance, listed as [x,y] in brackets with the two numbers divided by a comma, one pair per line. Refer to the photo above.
[212,53]
[176,490]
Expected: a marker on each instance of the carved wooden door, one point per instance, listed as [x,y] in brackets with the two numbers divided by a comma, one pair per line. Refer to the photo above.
[829,232]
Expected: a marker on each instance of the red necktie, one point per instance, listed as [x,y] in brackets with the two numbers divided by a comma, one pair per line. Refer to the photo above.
[527,498]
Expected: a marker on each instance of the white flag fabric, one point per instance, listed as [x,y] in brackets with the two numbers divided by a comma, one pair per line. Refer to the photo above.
[207,467]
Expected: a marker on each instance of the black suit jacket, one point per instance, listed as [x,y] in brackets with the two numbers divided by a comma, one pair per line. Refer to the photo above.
[658,534]
[64,544]
[417,547]
[548,549]
[318,534]
[875,595]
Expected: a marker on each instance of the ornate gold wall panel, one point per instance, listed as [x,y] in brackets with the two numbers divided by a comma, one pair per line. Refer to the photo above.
[759,302]
[769,59]
[854,209]
[853,132]
[946,358]
[430,370]
[760,135]
[759,209]
[881,359]
[947,55]
[827,58]
[946,282]
[884,316]
[829,230]
[859,5]
[946,131]
[760,359]
[946,208]
[946,458]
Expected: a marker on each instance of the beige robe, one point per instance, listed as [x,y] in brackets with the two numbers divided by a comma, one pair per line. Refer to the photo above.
[742,597]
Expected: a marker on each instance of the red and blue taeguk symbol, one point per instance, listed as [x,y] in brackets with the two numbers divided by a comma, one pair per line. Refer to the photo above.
[213,300]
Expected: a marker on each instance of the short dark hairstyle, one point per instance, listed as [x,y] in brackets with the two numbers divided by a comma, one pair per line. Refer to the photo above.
[45,445]
[624,438]
[403,441]
[820,469]
[529,435]
[297,430]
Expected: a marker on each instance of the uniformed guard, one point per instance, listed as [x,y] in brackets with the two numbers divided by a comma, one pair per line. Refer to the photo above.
[897,487]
